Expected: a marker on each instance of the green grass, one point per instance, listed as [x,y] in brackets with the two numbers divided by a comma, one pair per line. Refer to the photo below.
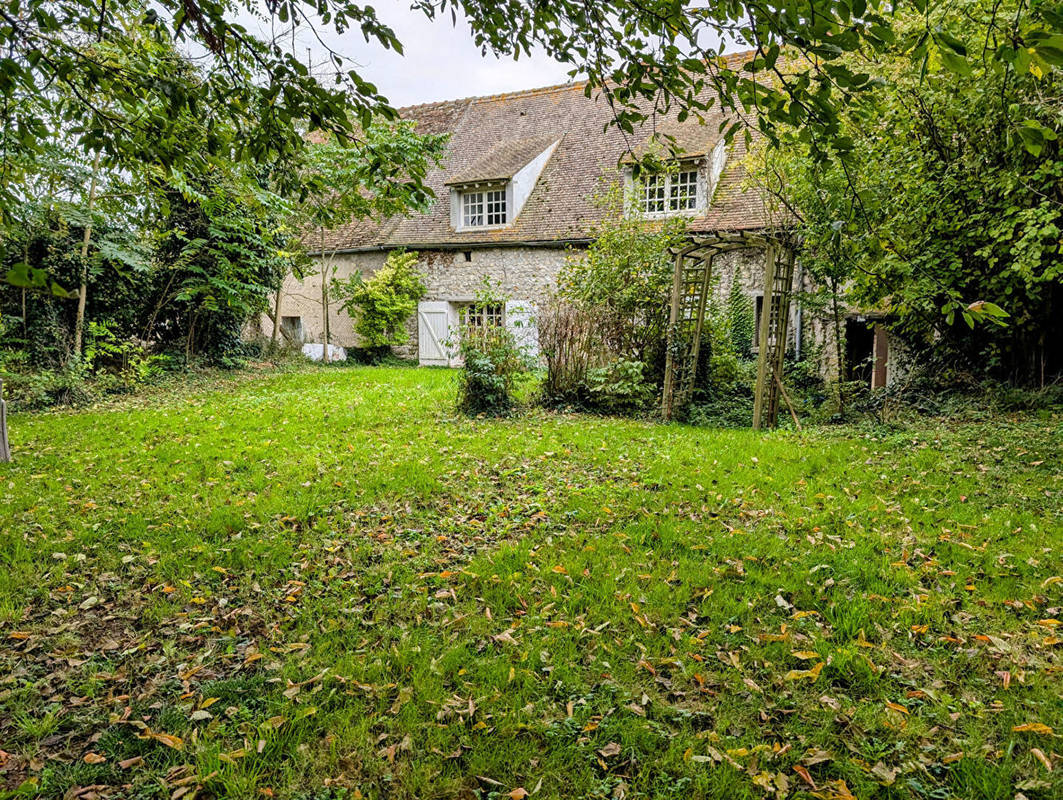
[324,584]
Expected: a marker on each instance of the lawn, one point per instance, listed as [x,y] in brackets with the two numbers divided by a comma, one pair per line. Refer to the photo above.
[324,584]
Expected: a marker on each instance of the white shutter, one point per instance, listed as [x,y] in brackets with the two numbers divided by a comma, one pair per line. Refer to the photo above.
[520,319]
[433,333]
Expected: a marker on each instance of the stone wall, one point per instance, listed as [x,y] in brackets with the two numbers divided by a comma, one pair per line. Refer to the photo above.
[518,273]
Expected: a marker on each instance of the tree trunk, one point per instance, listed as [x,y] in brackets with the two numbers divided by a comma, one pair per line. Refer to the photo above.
[188,341]
[276,319]
[324,299]
[5,451]
[79,322]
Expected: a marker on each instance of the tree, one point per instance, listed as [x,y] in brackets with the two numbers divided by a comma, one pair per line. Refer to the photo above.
[949,211]
[381,304]
[626,273]
[355,181]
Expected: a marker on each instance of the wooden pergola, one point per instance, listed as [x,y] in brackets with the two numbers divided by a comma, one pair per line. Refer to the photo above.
[690,291]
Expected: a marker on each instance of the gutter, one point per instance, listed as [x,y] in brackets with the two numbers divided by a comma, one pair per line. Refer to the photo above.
[383,248]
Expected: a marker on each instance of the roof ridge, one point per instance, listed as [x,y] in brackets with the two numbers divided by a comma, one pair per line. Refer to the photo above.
[557,87]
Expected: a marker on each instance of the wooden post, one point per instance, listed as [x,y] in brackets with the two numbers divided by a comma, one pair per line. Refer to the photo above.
[668,393]
[5,450]
[782,327]
[764,374]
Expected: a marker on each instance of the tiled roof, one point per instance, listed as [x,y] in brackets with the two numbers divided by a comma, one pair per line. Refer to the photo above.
[490,135]
[502,161]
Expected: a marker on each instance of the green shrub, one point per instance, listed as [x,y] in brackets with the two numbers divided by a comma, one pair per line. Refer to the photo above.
[381,304]
[492,362]
[620,387]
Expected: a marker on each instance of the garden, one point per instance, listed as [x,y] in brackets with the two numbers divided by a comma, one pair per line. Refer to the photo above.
[326,583]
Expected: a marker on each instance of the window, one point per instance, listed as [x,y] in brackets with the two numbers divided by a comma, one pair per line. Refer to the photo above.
[653,193]
[292,329]
[684,192]
[669,194]
[482,316]
[483,209]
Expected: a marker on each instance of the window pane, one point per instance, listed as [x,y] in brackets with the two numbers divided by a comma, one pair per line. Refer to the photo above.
[472,205]
[684,191]
[496,207]
[653,194]
[478,316]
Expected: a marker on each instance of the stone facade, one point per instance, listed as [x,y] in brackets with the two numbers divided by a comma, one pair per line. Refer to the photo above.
[525,274]
[528,275]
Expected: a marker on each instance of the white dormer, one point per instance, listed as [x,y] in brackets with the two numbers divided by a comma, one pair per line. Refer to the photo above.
[686,189]
[492,191]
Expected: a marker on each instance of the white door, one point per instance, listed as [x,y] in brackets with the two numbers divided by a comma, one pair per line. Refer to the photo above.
[433,333]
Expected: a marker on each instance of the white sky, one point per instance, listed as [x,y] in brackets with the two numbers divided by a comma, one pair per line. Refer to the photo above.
[441,62]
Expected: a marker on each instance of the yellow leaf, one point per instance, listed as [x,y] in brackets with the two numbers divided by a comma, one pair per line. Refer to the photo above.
[519,793]
[94,758]
[176,742]
[898,708]
[1033,727]
[811,674]
[805,655]
[1049,623]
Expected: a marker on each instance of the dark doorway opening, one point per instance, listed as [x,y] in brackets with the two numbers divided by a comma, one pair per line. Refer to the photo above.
[859,350]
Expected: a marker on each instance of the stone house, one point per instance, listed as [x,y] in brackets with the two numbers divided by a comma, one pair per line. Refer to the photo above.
[514,197]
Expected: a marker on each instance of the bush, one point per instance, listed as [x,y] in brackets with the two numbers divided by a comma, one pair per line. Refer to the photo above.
[381,304]
[620,387]
[570,344]
[492,363]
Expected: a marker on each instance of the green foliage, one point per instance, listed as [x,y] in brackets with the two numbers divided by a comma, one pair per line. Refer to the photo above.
[381,304]
[626,272]
[948,212]
[492,362]
[611,316]
[221,256]
[740,320]
[341,180]
[620,387]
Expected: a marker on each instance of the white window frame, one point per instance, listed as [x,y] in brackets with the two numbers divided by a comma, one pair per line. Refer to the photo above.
[480,315]
[484,208]
[672,194]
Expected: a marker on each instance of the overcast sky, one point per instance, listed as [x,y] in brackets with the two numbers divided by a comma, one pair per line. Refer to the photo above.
[441,62]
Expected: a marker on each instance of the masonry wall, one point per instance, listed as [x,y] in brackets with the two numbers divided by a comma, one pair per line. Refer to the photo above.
[519,273]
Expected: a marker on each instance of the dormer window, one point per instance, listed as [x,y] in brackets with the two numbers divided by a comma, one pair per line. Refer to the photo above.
[670,193]
[484,209]
[491,191]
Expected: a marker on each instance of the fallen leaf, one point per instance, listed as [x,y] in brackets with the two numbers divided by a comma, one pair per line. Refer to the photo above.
[886,775]
[799,674]
[1040,756]
[94,758]
[611,749]
[518,794]
[1033,727]
[805,776]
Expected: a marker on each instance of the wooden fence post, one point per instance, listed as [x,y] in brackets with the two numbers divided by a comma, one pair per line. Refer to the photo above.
[5,451]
